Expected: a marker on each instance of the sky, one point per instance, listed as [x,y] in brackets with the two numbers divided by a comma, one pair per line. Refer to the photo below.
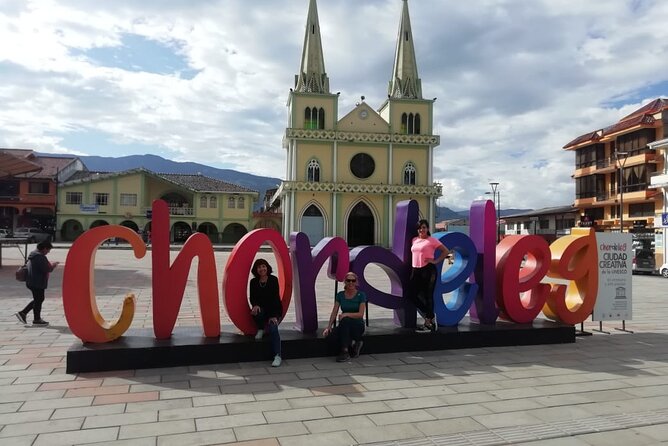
[207,81]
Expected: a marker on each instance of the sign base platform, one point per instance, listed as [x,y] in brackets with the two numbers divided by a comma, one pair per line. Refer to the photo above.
[138,349]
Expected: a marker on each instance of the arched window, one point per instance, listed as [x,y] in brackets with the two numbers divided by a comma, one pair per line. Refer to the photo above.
[314,118]
[410,124]
[230,203]
[213,202]
[409,173]
[202,201]
[321,118]
[241,203]
[313,171]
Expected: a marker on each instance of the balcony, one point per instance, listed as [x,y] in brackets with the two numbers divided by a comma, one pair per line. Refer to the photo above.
[175,210]
[658,180]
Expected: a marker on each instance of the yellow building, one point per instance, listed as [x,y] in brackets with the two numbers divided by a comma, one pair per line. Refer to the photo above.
[345,176]
[223,211]
[613,171]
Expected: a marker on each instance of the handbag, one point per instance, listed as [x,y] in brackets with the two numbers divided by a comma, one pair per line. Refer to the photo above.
[22,273]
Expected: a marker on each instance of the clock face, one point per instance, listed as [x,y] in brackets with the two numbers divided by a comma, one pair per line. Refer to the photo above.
[364,114]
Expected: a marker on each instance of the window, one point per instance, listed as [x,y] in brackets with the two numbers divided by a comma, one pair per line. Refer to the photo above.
[230,203]
[641,209]
[635,142]
[590,156]
[38,187]
[409,173]
[544,224]
[314,118]
[313,171]
[566,223]
[213,202]
[73,197]
[637,178]
[128,199]
[410,124]
[101,199]
[527,225]
[203,201]
[241,203]
[362,165]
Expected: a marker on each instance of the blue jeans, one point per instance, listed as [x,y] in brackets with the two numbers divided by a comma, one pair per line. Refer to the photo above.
[262,322]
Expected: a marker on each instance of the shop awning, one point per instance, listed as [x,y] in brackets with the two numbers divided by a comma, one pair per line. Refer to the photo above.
[12,165]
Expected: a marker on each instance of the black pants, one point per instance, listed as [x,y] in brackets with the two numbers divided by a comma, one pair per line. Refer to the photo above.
[347,331]
[423,282]
[262,323]
[36,304]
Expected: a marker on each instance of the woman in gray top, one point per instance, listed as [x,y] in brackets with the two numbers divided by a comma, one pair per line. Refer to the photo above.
[37,281]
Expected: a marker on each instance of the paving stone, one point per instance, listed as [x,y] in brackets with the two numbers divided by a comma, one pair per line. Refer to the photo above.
[159,428]
[221,399]
[148,406]
[229,421]
[88,411]
[404,416]
[76,437]
[343,410]
[122,419]
[449,426]
[270,431]
[324,439]
[338,424]
[25,417]
[198,438]
[40,427]
[57,403]
[617,437]
[385,433]
[192,412]
[282,416]
[506,419]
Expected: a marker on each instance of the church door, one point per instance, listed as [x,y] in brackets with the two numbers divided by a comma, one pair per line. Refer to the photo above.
[313,224]
[360,226]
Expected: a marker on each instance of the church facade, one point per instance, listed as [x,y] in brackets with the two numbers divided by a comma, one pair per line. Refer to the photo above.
[345,175]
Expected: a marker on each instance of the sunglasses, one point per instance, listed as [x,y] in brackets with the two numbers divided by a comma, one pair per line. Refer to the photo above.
[351,280]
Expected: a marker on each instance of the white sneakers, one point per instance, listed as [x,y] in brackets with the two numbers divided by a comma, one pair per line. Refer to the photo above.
[277,361]
[259,335]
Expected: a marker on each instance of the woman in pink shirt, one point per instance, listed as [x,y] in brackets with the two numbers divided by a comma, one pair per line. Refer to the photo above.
[423,276]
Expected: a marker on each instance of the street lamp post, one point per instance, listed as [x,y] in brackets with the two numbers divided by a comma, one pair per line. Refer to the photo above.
[620,165]
[494,185]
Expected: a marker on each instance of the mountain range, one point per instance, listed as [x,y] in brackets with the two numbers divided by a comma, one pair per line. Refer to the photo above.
[259,183]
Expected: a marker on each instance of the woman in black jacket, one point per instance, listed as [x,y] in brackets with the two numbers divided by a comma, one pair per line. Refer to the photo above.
[266,307]
[37,281]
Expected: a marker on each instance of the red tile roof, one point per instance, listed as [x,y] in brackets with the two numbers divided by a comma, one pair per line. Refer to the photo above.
[49,165]
[641,117]
[655,106]
[591,136]
[12,165]
[642,120]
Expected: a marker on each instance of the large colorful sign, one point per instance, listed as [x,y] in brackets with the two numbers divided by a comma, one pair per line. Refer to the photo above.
[510,280]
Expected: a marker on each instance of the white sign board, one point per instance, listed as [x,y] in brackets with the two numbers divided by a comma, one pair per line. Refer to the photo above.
[615,266]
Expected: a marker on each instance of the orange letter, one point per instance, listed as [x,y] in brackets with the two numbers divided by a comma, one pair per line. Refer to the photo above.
[169,283]
[79,303]
[574,258]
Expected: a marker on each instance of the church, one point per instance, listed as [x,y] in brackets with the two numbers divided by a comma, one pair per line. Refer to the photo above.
[344,176]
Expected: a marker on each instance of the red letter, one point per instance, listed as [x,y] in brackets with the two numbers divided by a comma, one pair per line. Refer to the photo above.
[169,283]
[513,279]
[237,270]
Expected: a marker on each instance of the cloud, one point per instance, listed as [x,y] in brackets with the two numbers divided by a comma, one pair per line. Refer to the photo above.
[207,81]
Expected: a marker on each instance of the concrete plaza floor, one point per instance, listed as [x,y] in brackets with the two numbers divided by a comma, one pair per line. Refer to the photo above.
[602,390]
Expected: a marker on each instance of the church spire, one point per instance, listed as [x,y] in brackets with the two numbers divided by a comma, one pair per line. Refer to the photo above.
[312,77]
[405,83]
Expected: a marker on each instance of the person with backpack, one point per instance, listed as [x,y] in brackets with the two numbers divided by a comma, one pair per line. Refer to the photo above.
[37,280]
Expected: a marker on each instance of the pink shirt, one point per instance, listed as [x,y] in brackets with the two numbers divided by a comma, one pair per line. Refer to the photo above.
[422,250]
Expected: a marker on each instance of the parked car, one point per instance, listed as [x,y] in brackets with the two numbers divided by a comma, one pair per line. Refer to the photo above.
[4,233]
[643,261]
[34,235]
[664,270]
